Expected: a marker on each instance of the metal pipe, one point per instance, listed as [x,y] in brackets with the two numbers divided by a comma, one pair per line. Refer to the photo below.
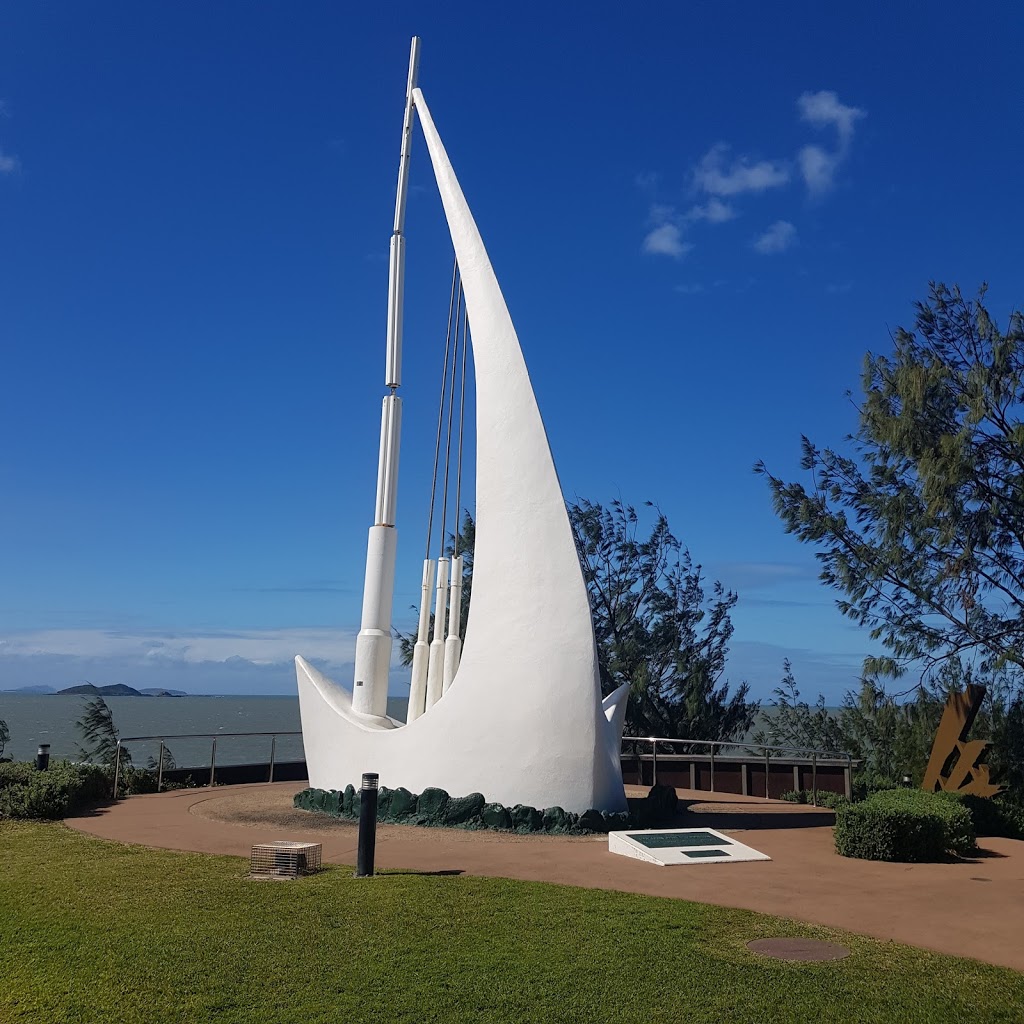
[767,770]
[435,661]
[367,825]
[654,762]
[712,748]
[160,768]
[814,779]
[213,759]
[273,750]
[396,275]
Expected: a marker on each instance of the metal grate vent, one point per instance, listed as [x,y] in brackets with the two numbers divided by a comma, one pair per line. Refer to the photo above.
[284,859]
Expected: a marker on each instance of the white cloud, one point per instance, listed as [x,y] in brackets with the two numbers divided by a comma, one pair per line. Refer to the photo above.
[714,211]
[689,289]
[778,238]
[8,164]
[822,109]
[666,240]
[714,177]
[259,647]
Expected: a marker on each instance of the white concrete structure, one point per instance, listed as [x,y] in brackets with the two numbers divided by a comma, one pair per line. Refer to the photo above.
[521,720]
[670,847]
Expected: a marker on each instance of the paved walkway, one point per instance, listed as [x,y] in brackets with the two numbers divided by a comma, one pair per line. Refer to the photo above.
[973,908]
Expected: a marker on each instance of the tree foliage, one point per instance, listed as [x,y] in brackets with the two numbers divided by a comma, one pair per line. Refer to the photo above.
[5,735]
[793,722]
[654,629]
[99,734]
[652,625]
[921,527]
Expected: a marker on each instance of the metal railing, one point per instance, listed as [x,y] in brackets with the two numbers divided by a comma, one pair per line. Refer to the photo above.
[768,750]
[195,736]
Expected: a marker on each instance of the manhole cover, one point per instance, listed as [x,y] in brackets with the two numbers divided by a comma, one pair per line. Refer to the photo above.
[798,949]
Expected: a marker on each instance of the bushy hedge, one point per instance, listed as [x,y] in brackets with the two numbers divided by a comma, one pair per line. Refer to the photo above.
[904,825]
[996,816]
[62,789]
[824,798]
[434,807]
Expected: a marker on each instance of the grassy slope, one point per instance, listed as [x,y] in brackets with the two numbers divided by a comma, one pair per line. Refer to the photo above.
[93,931]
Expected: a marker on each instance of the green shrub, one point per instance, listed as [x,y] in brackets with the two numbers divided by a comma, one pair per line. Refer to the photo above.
[867,781]
[793,797]
[61,790]
[904,825]
[826,798]
[996,816]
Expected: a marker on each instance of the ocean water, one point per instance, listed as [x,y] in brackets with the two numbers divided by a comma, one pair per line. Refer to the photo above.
[50,718]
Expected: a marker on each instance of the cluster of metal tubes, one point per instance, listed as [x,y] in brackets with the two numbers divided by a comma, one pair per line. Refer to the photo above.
[436,657]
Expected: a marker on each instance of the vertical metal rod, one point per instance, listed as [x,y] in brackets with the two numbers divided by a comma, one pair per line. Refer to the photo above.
[160,768]
[273,745]
[849,777]
[814,779]
[367,825]
[767,770]
[654,762]
[117,767]
[712,749]
[213,759]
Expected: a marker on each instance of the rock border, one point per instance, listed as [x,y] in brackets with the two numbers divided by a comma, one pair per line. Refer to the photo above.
[435,808]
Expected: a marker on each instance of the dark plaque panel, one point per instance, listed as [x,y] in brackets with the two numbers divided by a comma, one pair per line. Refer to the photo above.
[664,840]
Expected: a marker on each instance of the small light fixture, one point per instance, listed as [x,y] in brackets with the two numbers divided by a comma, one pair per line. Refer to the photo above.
[43,757]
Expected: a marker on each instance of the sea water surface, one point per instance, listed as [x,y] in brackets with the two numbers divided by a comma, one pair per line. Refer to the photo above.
[50,718]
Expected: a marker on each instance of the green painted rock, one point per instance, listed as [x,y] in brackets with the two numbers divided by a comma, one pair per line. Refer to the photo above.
[496,816]
[383,803]
[403,804]
[591,821]
[301,800]
[430,806]
[556,820]
[332,802]
[660,805]
[348,801]
[463,810]
[615,822]
[526,818]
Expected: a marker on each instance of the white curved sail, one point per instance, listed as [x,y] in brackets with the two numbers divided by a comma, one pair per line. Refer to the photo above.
[523,720]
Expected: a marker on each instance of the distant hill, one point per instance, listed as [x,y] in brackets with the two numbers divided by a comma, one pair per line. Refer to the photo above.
[114,690]
[155,691]
[31,689]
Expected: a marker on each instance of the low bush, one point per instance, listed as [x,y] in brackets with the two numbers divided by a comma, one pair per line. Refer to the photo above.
[996,816]
[62,789]
[826,798]
[904,825]
[791,796]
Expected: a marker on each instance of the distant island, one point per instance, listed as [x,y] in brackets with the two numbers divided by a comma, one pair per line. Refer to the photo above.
[119,690]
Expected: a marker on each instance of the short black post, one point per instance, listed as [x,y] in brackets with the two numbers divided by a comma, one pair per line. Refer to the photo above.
[367,825]
[43,757]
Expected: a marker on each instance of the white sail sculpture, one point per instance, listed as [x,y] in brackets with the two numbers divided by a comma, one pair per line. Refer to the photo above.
[520,719]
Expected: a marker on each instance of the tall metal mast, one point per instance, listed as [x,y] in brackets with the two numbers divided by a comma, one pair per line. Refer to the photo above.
[373,645]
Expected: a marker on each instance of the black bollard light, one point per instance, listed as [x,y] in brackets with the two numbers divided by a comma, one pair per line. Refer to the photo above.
[367,825]
[43,757]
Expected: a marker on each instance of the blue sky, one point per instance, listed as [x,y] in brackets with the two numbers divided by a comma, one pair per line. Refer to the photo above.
[702,216]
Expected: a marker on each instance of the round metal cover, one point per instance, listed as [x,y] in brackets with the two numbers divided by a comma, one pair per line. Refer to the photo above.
[798,949]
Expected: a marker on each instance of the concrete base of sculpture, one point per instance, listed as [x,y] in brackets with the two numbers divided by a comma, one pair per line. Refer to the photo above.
[466,744]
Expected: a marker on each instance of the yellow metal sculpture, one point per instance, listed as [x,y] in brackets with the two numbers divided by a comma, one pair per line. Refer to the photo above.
[955,762]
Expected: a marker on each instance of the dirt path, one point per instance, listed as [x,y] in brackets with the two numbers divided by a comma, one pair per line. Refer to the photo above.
[972,908]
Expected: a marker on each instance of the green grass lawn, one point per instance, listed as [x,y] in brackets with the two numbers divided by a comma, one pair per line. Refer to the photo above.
[93,931]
